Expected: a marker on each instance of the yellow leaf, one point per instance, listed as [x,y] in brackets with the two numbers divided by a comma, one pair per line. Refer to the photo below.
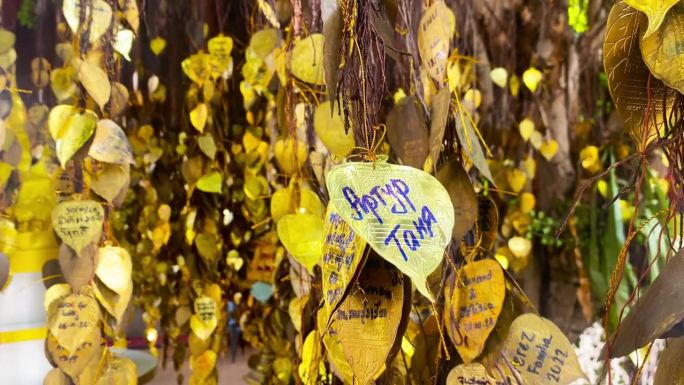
[520,247]
[437,26]
[499,76]
[54,293]
[589,157]
[302,236]
[7,40]
[453,74]
[72,12]
[306,61]
[329,126]
[516,179]
[602,188]
[536,139]
[197,67]
[527,202]
[405,214]
[157,45]
[198,116]
[626,210]
[367,340]
[95,81]
[75,319]
[101,14]
[514,85]
[120,370]
[342,254]
[549,149]
[311,359]
[123,41]
[282,203]
[207,145]
[204,364]
[478,285]
[70,130]
[74,362]
[62,83]
[219,48]
[290,154]
[114,268]
[202,329]
[526,128]
[473,97]
[234,260]
[502,259]
[296,310]
[78,223]
[655,11]
[110,144]
[111,182]
[211,182]
[560,364]
[531,78]
[132,14]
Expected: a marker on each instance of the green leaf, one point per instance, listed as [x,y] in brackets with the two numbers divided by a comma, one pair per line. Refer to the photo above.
[613,240]
[210,182]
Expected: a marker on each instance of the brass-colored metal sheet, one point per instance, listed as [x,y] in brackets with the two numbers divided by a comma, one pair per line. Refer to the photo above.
[663,51]
[639,97]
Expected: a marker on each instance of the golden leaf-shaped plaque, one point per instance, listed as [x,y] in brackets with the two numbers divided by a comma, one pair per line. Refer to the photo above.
[456,181]
[368,319]
[342,255]
[655,11]
[290,154]
[74,362]
[78,268]
[473,373]
[204,321]
[78,223]
[629,80]
[284,202]
[436,28]
[220,48]
[329,126]
[75,320]
[70,130]
[114,285]
[311,359]
[662,50]
[540,352]
[302,236]
[473,306]
[306,62]
[114,268]
[197,67]
[203,364]
[405,214]
[120,370]
[407,132]
[110,144]
[111,182]
[94,79]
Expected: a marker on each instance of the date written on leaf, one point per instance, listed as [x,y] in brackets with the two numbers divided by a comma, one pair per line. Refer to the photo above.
[405,214]
[540,352]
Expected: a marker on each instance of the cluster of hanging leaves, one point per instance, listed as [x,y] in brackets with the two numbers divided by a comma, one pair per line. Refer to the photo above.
[356,186]
[66,169]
